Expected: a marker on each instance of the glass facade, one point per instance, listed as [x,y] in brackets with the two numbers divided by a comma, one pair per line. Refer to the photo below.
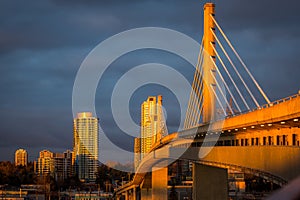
[153,125]
[86,141]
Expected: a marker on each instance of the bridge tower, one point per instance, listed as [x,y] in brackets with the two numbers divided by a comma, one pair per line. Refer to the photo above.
[209,70]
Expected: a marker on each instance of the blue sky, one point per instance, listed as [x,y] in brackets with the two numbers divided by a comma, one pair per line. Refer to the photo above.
[42,44]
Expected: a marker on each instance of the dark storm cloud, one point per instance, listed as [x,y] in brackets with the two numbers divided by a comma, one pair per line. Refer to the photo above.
[42,44]
[266,34]
[44,25]
[262,14]
[51,24]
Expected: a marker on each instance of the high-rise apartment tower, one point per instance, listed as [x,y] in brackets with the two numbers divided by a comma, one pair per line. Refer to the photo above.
[86,142]
[21,157]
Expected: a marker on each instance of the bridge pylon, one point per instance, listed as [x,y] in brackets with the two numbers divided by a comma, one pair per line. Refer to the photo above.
[209,70]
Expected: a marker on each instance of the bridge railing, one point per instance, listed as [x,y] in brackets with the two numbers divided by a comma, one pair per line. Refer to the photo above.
[267,105]
[280,101]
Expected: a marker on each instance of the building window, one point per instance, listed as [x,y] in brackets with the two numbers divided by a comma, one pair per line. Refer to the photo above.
[284,140]
[264,141]
[270,140]
[278,142]
[294,138]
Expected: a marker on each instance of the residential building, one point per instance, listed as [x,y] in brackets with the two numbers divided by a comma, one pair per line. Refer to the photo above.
[45,163]
[153,125]
[21,157]
[58,165]
[85,146]
[137,152]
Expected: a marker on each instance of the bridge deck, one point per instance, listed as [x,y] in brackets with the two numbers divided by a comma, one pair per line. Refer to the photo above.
[281,161]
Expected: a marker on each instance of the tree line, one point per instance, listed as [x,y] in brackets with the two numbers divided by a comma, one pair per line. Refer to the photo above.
[15,176]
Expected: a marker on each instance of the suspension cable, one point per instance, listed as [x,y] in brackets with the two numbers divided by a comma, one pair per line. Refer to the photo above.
[190,111]
[218,99]
[222,78]
[191,103]
[242,62]
[199,94]
[198,116]
[235,69]
[195,95]
[230,77]
[221,91]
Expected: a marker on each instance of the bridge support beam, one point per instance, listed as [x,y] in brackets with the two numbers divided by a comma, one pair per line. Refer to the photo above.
[209,182]
[160,183]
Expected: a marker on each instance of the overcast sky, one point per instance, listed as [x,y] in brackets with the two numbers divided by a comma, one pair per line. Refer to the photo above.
[42,45]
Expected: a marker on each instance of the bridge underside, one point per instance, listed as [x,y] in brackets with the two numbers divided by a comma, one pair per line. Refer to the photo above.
[284,162]
[264,142]
[280,162]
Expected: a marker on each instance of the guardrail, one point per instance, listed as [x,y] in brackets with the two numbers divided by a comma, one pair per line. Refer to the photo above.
[266,105]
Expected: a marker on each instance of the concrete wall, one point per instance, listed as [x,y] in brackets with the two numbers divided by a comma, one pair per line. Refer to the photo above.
[160,183]
[209,183]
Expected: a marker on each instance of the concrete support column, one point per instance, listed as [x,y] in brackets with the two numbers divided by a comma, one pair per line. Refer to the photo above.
[275,139]
[146,194]
[209,183]
[290,139]
[146,191]
[160,183]
[126,195]
[134,194]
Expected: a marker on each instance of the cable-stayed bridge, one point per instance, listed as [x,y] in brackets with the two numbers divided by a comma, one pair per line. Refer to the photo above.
[226,127]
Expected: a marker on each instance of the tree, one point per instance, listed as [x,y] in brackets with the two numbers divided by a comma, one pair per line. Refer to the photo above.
[16,175]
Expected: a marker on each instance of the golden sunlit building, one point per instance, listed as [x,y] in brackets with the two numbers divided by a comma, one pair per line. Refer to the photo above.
[58,168]
[137,152]
[86,139]
[58,165]
[45,163]
[21,157]
[152,123]
[67,164]
[62,165]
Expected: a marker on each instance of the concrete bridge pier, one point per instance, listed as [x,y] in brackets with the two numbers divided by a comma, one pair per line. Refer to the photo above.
[130,194]
[160,183]
[134,194]
[155,184]
[209,183]
[146,187]
[146,194]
